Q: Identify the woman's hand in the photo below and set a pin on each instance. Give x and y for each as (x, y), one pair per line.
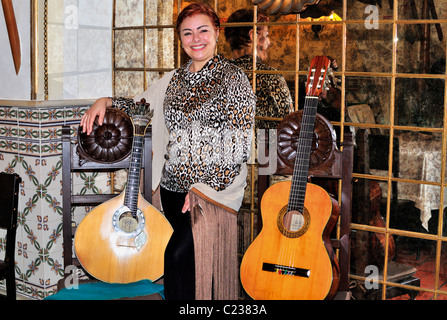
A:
(186, 205)
(97, 109)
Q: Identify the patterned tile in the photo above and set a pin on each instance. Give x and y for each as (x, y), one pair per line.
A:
(30, 145)
(9, 114)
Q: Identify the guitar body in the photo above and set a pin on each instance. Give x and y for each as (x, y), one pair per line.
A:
(111, 255)
(267, 269)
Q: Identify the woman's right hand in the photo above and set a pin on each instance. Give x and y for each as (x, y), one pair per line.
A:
(97, 109)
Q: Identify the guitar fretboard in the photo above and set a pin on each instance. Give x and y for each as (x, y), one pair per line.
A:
(302, 160)
(133, 177)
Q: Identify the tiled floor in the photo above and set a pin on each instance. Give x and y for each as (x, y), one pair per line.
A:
(425, 263)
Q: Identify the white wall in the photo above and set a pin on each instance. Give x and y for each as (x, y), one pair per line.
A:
(79, 51)
(13, 86)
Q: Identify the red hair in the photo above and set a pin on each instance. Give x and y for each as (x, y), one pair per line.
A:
(198, 8)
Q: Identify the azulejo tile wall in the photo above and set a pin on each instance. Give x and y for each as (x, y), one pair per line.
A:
(31, 146)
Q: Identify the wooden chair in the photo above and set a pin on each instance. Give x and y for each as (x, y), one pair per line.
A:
(9, 197)
(369, 154)
(75, 159)
(404, 214)
(328, 167)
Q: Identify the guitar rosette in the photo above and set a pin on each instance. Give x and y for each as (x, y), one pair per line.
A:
(129, 227)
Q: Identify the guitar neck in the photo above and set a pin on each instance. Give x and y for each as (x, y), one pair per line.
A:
(302, 160)
(133, 177)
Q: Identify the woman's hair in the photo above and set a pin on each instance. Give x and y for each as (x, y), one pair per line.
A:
(197, 8)
(239, 37)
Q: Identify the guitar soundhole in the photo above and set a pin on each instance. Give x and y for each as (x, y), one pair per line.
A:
(293, 221)
(293, 224)
(128, 223)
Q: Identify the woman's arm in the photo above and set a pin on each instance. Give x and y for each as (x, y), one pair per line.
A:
(97, 109)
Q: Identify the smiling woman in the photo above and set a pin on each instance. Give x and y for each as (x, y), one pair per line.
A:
(199, 107)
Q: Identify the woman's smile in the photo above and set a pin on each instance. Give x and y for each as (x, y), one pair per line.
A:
(198, 47)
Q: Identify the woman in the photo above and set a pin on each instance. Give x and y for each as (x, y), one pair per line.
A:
(274, 99)
(208, 109)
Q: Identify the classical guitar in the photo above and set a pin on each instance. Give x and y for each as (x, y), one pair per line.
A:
(123, 240)
(291, 258)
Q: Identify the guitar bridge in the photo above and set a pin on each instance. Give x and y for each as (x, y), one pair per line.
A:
(136, 242)
(125, 242)
(286, 270)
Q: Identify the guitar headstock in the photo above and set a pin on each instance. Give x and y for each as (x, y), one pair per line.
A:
(141, 116)
(319, 67)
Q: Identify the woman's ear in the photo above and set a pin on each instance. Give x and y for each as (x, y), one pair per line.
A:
(250, 34)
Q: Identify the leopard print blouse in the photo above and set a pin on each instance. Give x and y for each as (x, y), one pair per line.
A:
(210, 116)
(274, 99)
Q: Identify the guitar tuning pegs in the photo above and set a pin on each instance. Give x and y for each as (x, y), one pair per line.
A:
(143, 102)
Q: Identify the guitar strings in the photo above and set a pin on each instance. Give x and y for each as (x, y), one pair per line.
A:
(300, 175)
(133, 179)
(301, 167)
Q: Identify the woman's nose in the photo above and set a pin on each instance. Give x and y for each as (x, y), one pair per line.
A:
(267, 42)
(196, 36)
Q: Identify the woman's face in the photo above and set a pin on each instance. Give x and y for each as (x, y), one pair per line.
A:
(198, 36)
(263, 42)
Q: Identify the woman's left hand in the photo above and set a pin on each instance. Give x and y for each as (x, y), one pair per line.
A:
(186, 205)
